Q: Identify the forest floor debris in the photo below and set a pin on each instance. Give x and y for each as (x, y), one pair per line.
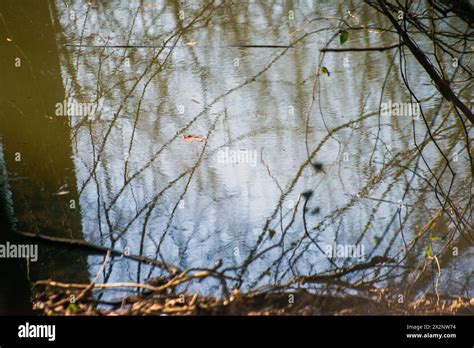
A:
(299, 302)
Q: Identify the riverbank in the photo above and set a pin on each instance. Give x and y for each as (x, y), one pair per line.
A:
(55, 299)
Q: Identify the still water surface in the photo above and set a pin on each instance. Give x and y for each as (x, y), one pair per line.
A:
(121, 172)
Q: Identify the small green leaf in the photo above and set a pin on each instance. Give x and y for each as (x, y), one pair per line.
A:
(433, 238)
(376, 240)
(267, 273)
(271, 233)
(343, 36)
(325, 70)
(73, 307)
(428, 252)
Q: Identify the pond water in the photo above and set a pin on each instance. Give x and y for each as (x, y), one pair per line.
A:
(188, 132)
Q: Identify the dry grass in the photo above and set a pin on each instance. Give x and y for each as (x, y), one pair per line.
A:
(270, 303)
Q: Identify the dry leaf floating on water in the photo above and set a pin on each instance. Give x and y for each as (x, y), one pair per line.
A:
(193, 137)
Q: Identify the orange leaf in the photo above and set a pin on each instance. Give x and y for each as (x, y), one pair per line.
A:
(193, 137)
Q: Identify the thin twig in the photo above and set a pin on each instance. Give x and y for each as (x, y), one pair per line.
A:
(361, 49)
